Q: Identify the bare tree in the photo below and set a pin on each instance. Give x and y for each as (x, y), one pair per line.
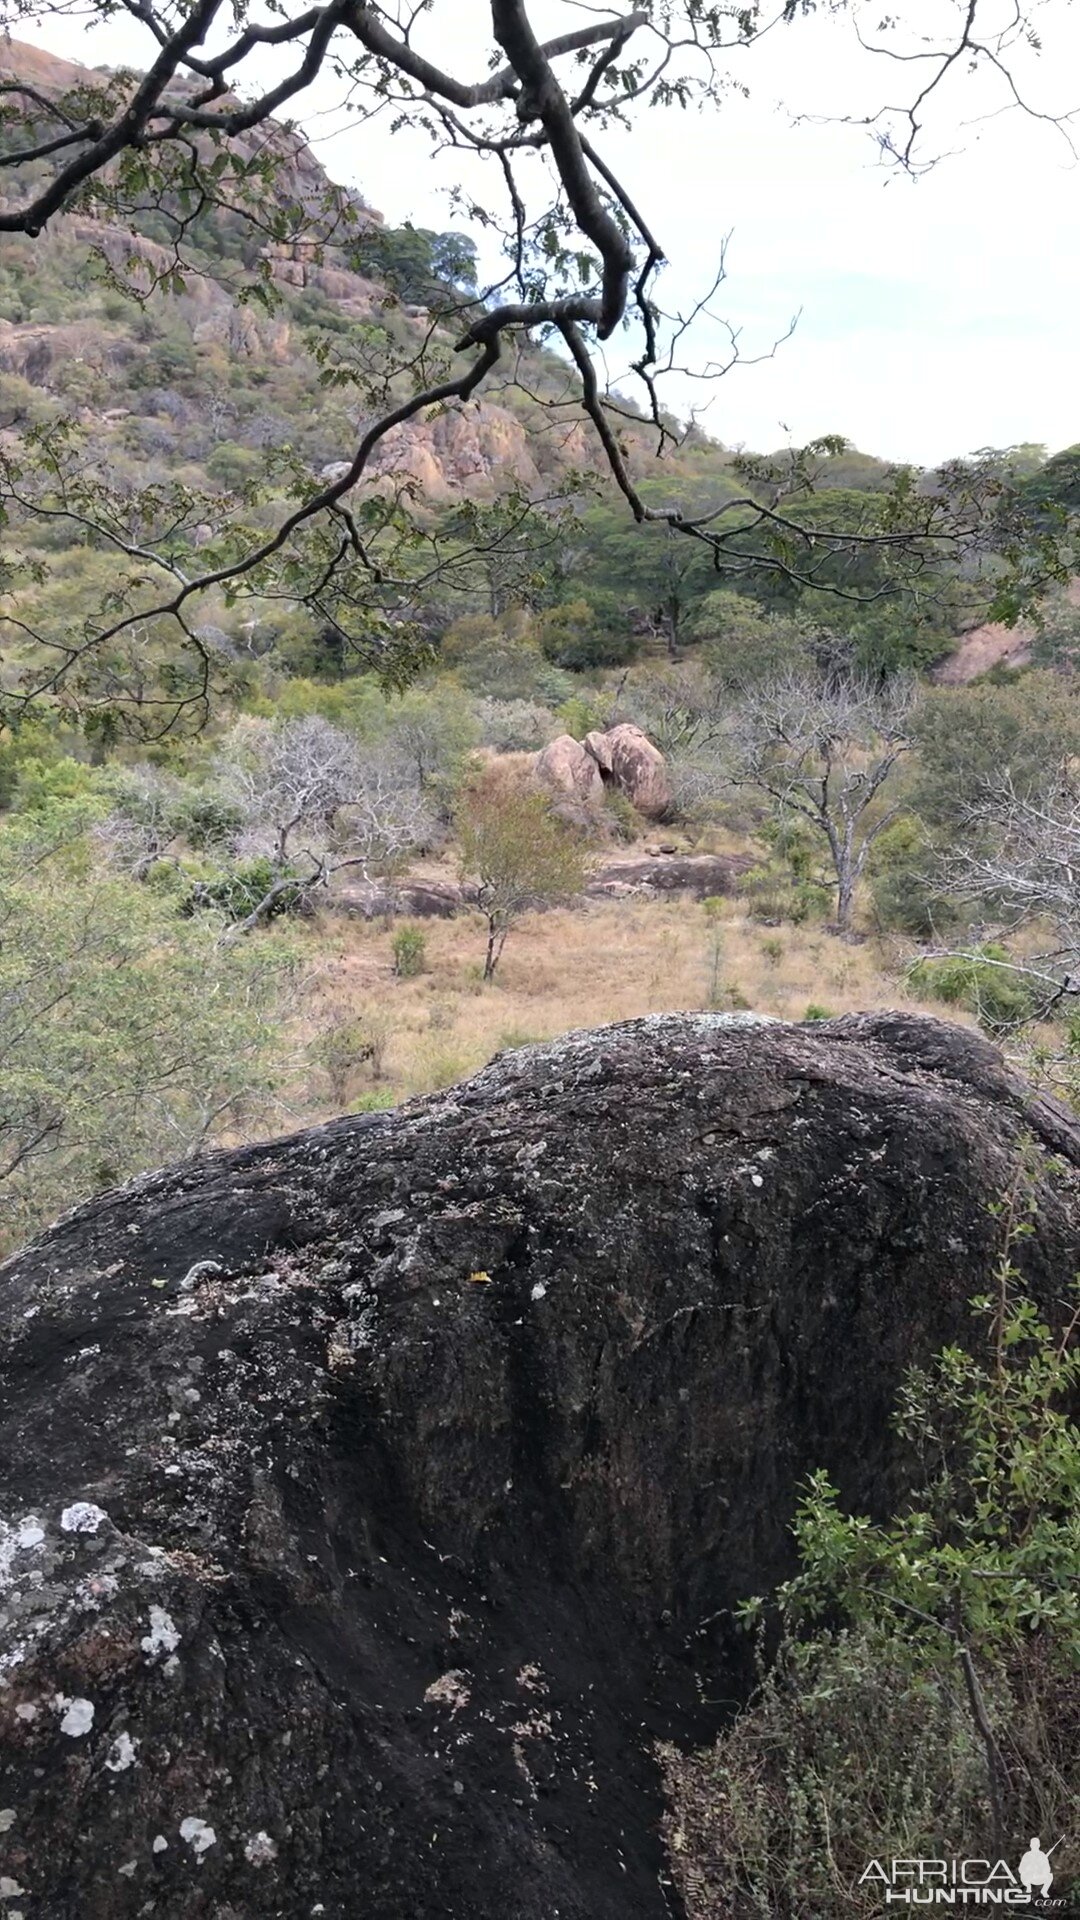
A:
(1016, 857)
(145, 824)
(194, 134)
(824, 750)
(290, 778)
(319, 803)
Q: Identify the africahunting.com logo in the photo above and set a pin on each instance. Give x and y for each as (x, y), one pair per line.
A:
(972, 1883)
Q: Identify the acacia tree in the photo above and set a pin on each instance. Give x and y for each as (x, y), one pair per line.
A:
(824, 749)
(193, 138)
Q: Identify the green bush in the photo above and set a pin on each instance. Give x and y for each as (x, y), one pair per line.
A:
(238, 891)
(982, 982)
(772, 893)
(352, 1044)
(814, 1012)
(207, 820)
(925, 1694)
(376, 1100)
(575, 637)
(903, 897)
(409, 946)
(621, 813)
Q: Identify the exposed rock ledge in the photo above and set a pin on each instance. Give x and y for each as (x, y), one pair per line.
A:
(371, 1496)
(647, 877)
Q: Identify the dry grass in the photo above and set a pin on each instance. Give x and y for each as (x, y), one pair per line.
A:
(570, 968)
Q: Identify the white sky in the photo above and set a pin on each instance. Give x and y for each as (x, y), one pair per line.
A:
(938, 315)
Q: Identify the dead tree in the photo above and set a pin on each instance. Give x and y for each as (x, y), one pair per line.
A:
(824, 751)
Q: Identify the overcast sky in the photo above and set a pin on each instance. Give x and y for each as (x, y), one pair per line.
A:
(937, 315)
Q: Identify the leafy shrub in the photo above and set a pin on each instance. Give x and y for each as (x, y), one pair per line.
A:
(352, 1044)
(771, 893)
(239, 890)
(858, 1742)
(208, 820)
(409, 946)
(902, 894)
(815, 1012)
(579, 716)
(514, 726)
(982, 982)
(574, 637)
(621, 813)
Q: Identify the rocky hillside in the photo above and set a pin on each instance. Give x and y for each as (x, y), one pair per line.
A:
(372, 1499)
(64, 336)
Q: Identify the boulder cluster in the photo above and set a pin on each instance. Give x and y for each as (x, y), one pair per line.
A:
(623, 757)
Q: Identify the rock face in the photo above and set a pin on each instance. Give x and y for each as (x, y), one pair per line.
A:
(417, 899)
(371, 1497)
(638, 768)
(700, 874)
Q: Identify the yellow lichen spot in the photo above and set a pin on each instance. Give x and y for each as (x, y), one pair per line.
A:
(480, 1279)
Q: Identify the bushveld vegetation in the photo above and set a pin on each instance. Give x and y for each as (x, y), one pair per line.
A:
(310, 542)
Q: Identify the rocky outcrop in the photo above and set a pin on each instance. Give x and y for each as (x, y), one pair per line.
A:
(372, 1498)
(459, 450)
(703, 875)
(638, 769)
(416, 899)
(567, 770)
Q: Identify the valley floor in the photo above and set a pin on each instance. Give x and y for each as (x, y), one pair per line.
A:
(573, 967)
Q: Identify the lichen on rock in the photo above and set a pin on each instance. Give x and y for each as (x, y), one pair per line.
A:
(401, 1575)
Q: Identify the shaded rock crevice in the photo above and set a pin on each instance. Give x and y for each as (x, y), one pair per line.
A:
(429, 1449)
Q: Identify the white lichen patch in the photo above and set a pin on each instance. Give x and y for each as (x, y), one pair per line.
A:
(8, 1817)
(82, 1517)
(162, 1638)
(9, 1888)
(23, 1537)
(198, 1834)
(260, 1849)
(531, 1677)
(159, 1844)
(78, 1716)
(449, 1690)
(121, 1754)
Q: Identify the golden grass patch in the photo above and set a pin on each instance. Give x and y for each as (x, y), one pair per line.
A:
(573, 967)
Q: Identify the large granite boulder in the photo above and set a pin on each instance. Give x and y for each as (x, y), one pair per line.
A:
(569, 772)
(638, 769)
(372, 1498)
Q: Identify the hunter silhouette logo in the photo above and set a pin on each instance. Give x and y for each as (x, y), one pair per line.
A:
(970, 1882)
(1036, 1873)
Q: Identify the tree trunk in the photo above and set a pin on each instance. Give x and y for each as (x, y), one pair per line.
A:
(494, 948)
